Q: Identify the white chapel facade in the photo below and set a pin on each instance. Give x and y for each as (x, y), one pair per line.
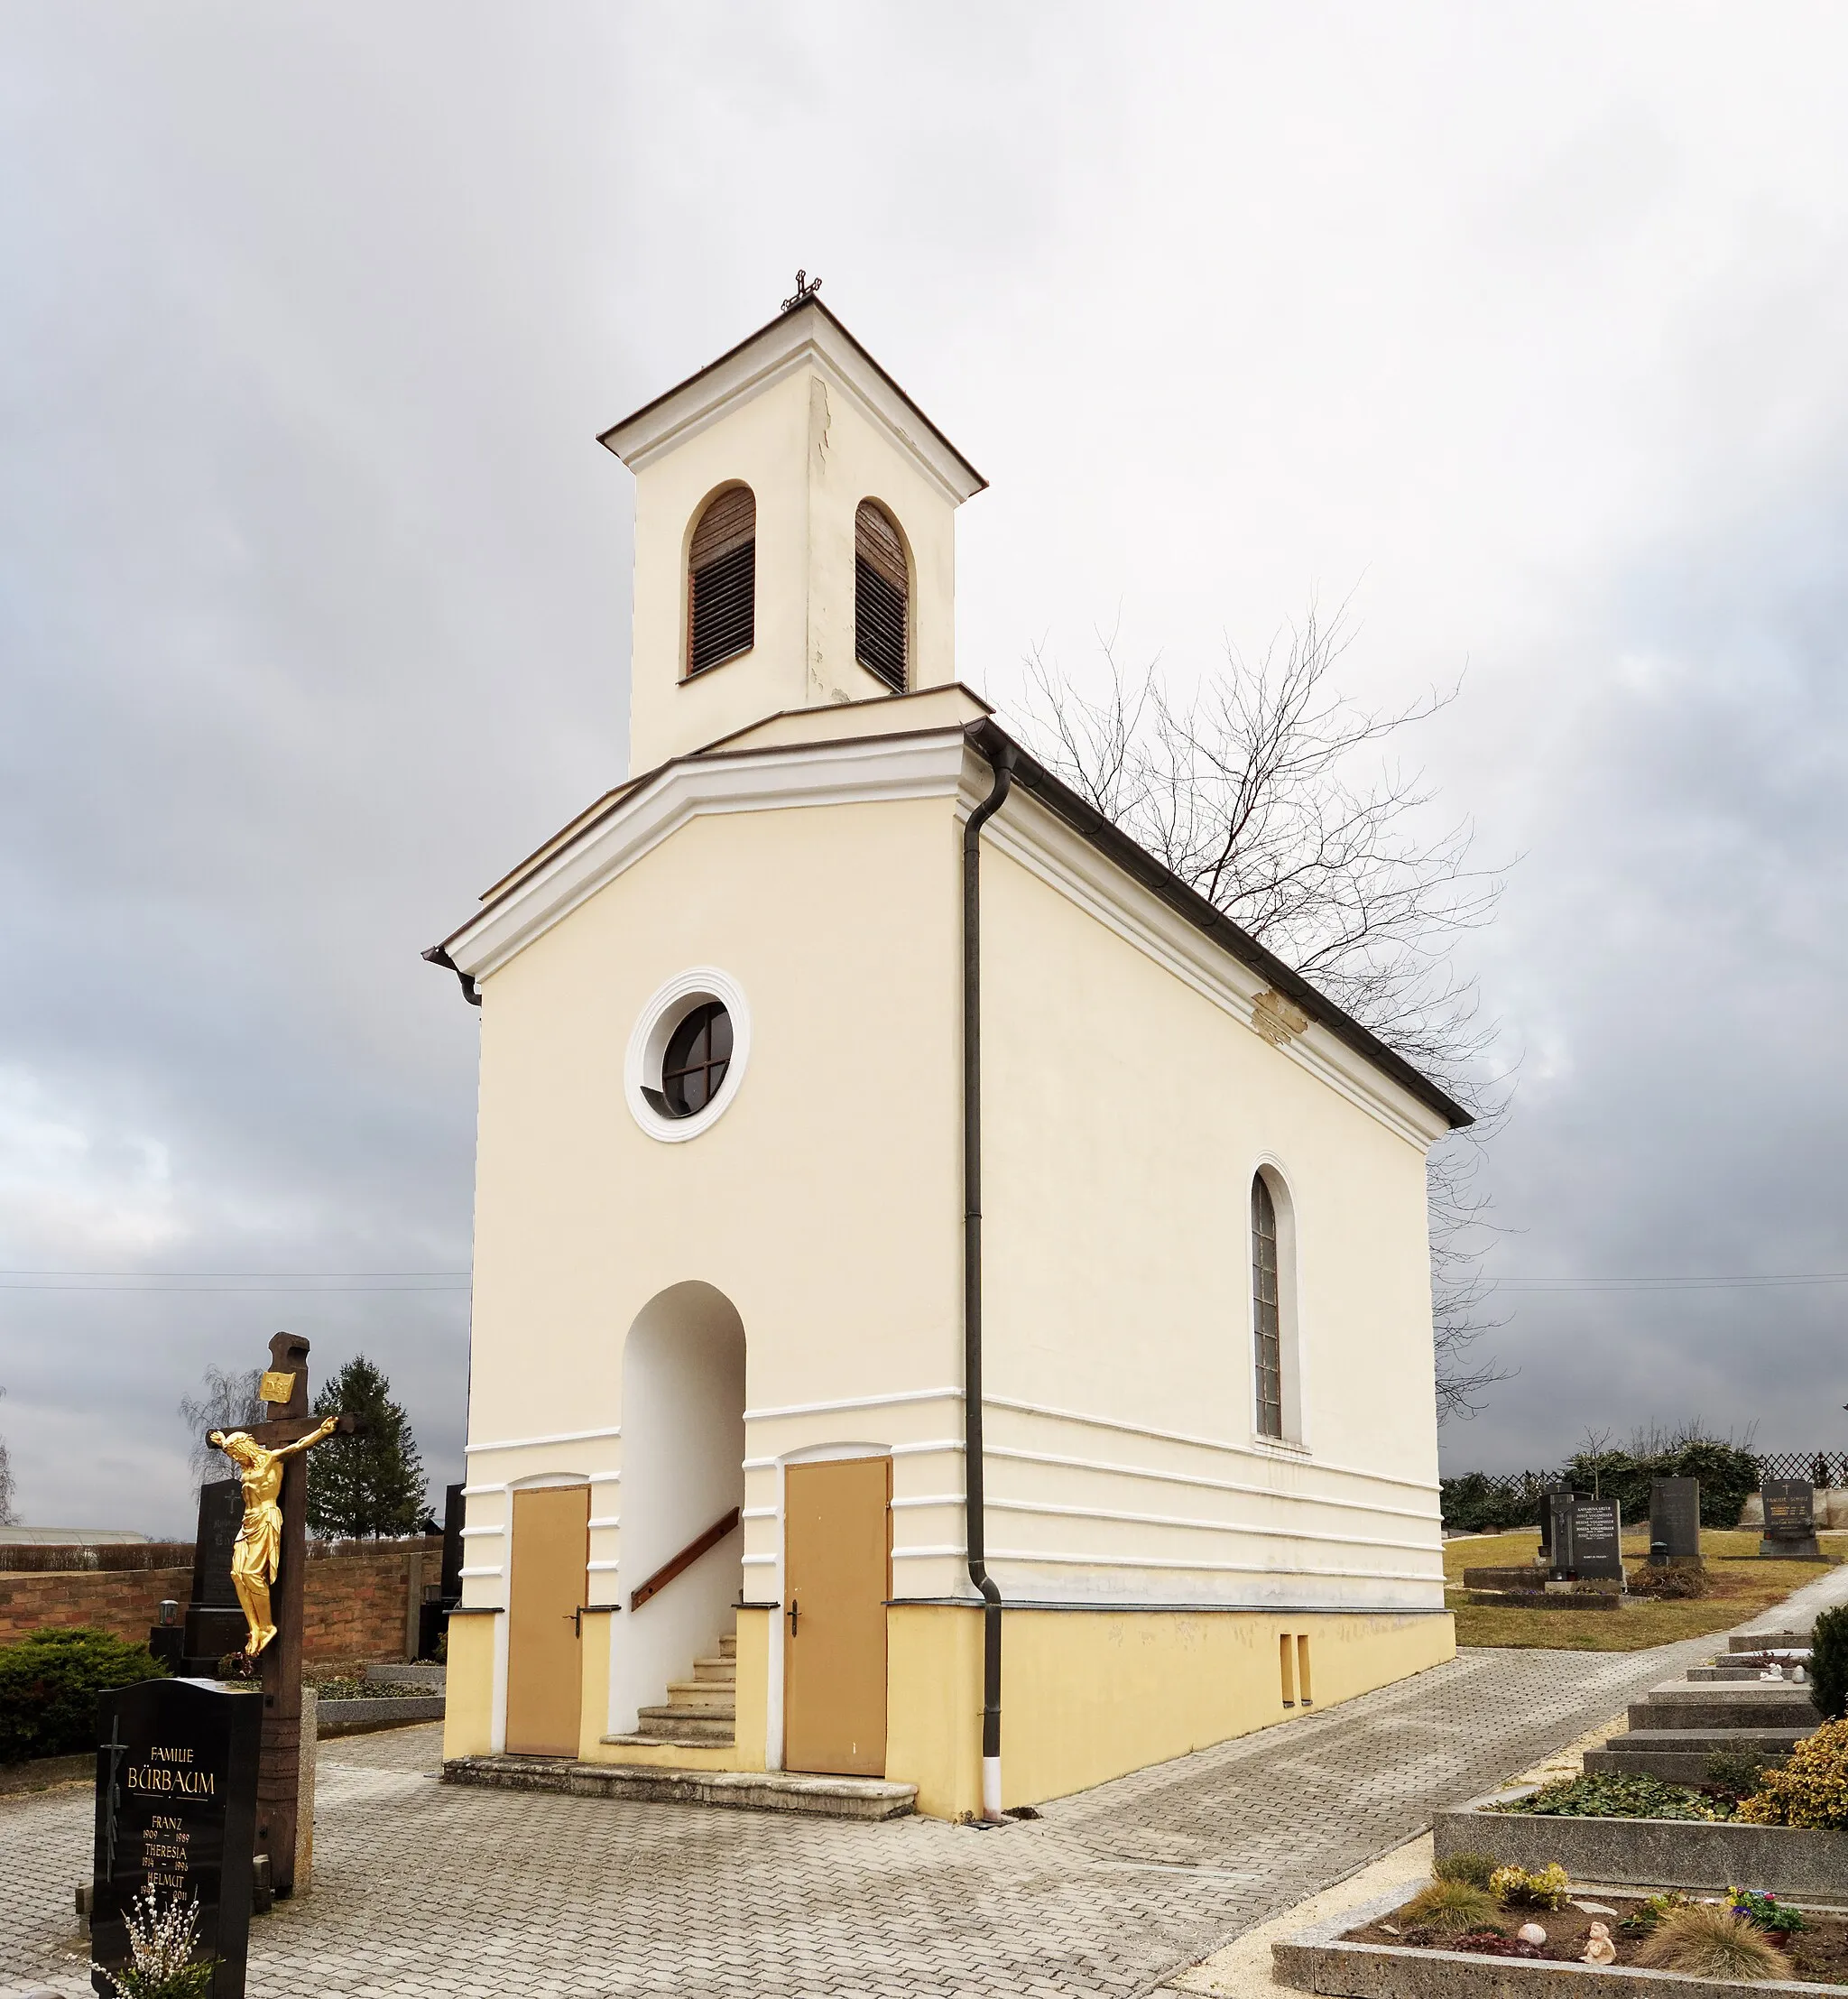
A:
(755, 1213)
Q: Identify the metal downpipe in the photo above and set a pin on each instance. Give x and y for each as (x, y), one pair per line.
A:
(972, 1466)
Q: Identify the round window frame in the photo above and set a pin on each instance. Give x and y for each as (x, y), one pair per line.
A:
(648, 1046)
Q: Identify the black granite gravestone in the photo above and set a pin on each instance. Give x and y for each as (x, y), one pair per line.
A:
(1789, 1530)
(1597, 1529)
(1674, 1523)
(214, 1622)
(1556, 1531)
(176, 1814)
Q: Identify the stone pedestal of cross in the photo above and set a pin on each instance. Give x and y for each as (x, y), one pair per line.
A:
(284, 1393)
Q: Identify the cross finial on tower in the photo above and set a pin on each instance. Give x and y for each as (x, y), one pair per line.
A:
(806, 288)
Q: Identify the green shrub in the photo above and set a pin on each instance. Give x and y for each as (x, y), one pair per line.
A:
(1810, 1788)
(1646, 1915)
(49, 1684)
(1476, 1868)
(1828, 1663)
(1712, 1943)
(1736, 1773)
(1449, 1908)
(1617, 1796)
(1531, 1888)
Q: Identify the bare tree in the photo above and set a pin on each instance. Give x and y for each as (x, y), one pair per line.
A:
(1281, 801)
(225, 1401)
(8, 1517)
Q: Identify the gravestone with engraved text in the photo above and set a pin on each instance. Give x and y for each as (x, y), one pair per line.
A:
(1789, 1530)
(176, 1813)
(1674, 1523)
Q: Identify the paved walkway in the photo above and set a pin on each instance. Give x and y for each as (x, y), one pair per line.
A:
(424, 1888)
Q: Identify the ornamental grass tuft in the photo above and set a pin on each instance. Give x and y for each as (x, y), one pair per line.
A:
(1450, 1909)
(1706, 1942)
(1476, 1868)
(1808, 1789)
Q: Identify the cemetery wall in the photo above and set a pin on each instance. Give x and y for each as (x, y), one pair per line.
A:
(358, 1597)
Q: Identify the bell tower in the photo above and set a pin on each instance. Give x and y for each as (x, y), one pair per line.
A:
(795, 537)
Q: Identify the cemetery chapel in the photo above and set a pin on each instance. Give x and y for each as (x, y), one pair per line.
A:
(949, 1307)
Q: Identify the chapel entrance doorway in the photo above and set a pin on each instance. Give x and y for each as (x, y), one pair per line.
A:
(547, 1571)
(682, 1502)
(837, 1577)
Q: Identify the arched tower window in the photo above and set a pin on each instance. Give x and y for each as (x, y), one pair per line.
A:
(1267, 1323)
(882, 595)
(722, 581)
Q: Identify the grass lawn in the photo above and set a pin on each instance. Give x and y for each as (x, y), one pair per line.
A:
(1739, 1590)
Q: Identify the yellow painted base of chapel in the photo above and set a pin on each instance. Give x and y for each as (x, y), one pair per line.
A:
(1087, 1695)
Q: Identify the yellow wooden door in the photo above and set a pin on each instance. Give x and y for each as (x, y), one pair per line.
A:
(546, 1590)
(837, 1574)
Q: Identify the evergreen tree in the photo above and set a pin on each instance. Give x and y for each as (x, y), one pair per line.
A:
(372, 1483)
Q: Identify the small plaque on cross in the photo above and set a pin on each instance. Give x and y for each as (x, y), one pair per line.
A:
(276, 1388)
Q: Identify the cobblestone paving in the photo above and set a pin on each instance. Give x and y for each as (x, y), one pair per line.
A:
(423, 1889)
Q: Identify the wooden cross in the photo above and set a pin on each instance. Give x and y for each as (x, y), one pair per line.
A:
(284, 1392)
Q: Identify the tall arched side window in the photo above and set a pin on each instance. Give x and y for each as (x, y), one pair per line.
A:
(882, 595)
(722, 581)
(1267, 1326)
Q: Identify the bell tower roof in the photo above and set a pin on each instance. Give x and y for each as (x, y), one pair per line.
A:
(804, 336)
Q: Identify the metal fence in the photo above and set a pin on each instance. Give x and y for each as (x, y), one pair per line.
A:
(1488, 1500)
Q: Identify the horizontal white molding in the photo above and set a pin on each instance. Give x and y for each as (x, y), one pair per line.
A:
(608, 1520)
(757, 1512)
(485, 1569)
(758, 1561)
(1212, 1568)
(561, 1437)
(1115, 1469)
(603, 1568)
(1169, 1520)
(607, 1477)
(1205, 1443)
(482, 1491)
(1158, 1562)
(855, 1401)
(469, 1533)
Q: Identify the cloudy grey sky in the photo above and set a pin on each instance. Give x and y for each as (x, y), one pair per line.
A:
(1528, 321)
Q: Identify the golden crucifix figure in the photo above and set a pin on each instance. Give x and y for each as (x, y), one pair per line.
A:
(257, 1554)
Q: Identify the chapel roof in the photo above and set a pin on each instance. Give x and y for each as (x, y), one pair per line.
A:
(804, 329)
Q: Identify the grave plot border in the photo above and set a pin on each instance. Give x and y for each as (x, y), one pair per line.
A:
(1316, 1960)
(1651, 1853)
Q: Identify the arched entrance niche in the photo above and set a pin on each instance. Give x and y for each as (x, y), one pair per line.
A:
(683, 1452)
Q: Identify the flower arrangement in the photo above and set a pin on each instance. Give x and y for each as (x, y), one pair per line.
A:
(1765, 1912)
(162, 1942)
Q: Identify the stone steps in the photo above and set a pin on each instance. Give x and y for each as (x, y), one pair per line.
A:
(1759, 1703)
(699, 1712)
(863, 1798)
(1682, 1759)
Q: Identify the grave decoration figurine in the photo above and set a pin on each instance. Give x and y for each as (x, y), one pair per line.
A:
(257, 1555)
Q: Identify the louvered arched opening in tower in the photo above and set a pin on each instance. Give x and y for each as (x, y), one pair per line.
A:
(722, 581)
(882, 595)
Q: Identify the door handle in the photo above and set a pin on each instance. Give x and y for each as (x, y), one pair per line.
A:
(794, 1614)
(577, 1617)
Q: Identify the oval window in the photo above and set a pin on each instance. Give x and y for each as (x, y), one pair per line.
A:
(698, 1053)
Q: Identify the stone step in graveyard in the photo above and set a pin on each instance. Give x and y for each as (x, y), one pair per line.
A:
(863, 1798)
(1756, 1704)
(1745, 1676)
(1768, 1641)
(1680, 1757)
